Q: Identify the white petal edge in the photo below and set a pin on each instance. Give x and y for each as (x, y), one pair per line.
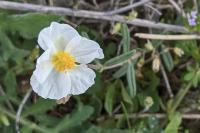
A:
(43, 66)
(56, 86)
(84, 50)
(44, 39)
(62, 34)
(42, 71)
(82, 78)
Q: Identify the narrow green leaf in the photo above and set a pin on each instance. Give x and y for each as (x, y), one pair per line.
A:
(121, 72)
(10, 83)
(126, 114)
(6, 46)
(4, 119)
(131, 79)
(175, 121)
(40, 106)
(120, 59)
(125, 38)
(167, 60)
(195, 81)
(75, 119)
(109, 100)
(126, 97)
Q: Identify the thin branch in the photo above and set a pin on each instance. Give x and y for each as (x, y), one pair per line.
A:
(25, 122)
(178, 9)
(135, 56)
(7, 101)
(19, 111)
(91, 15)
(167, 37)
(129, 7)
(158, 115)
(154, 9)
(171, 95)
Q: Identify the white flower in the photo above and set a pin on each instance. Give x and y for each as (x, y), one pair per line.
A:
(61, 70)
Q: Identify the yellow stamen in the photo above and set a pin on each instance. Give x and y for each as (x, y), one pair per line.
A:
(63, 61)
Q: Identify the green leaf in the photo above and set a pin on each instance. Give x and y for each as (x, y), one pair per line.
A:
(42, 105)
(190, 48)
(131, 79)
(126, 97)
(27, 25)
(4, 119)
(6, 47)
(189, 76)
(195, 81)
(125, 38)
(109, 100)
(9, 50)
(167, 60)
(75, 119)
(126, 115)
(121, 72)
(10, 82)
(175, 121)
(94, 129)
(120, 59)
(96, 103)
(19, 54)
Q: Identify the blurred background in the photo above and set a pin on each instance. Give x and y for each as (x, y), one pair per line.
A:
(147, 83)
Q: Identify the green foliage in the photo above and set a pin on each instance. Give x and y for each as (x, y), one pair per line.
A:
(75, 119)
(10, 82)
(125, 38)
(167, 60)
(26, 25)
(123, 90)
(175, 121)
(131, 79)
(109, 99)
(120, 59)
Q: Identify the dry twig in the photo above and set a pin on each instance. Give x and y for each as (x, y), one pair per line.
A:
(7, 101)
(90, 14)
(19, 111)
(176, 6)
(129, 7)
(167, 37)
(171, 95)
(158, 115)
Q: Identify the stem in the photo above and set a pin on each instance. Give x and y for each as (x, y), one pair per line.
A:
(181, 94)
(24, 122)
(19, 111)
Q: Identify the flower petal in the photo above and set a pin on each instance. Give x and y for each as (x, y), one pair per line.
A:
(61, 34)
(82, 78)
(42, 71)
(56, 86)
(46, 56)
(84, 50)
(43, 66)
(44, 39)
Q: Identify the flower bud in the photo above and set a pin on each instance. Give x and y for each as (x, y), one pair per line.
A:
(148, 102)
(116, 28)
(140, 63)
(149, 46)
(156, 64)
(179, 52)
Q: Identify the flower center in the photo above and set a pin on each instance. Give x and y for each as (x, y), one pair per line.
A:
(63, 61)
